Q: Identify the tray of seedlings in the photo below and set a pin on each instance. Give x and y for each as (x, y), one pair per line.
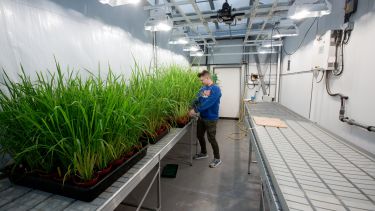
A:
(75, 136)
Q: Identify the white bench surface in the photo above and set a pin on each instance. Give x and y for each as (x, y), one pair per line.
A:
(310, 168)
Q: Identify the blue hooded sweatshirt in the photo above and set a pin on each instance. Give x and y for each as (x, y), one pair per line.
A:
(208, 101)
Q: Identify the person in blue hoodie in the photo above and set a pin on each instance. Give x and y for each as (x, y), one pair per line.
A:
(207, 105)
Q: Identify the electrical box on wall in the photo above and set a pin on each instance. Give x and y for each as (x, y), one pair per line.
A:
(325, 48)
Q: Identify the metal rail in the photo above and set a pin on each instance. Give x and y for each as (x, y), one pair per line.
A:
(266, 182)
(253, 13)
(269, 16)
(197, 10)
(186, 18)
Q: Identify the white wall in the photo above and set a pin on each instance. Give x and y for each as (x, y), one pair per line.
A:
(33, 32)
(357, 80)
(295, 92)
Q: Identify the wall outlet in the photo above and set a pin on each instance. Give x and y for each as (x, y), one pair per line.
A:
(267, 98)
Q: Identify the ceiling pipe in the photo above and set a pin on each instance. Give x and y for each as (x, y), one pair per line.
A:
(241, 53)
(253, 32)
(172, 2)
(229, 46)
(253, 13)
(212, 6)
(249, 43)
(269, 16)
(196, 9)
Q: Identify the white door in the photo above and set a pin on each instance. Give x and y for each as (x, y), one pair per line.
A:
(229, 83)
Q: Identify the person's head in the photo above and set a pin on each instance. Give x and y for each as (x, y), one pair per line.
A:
(205, 77)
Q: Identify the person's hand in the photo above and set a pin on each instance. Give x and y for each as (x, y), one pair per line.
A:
(192, 113)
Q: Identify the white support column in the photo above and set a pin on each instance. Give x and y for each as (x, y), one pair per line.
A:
(278, 70)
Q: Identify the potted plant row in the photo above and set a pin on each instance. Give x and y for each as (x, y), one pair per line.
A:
(75, 136)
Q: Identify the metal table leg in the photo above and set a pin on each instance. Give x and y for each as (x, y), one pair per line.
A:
(156, 177)
(159, 185)
(250, 151)
(192, 126)
(261, 205)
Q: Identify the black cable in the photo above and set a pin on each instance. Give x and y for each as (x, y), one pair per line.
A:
(341, 40)
(251, 87)
(321, 79)
(341, 70)
(329, 89)
(304, 37)
(345, 40)
(347, 33)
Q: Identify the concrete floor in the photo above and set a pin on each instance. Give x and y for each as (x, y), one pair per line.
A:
(199, 187)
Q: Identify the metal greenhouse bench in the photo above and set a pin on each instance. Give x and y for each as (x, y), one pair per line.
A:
(14, 197)
(304, 167)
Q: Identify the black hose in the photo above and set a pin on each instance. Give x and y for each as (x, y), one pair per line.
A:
(342, 116)
(321, 79)
(302, 41)
(329, 89)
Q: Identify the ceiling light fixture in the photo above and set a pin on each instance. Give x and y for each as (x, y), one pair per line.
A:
(158, 21)
(197, 54)
(309, 8)
(115, 3)
(178, 37)
(263, 50)
(191, 47)
(286, 28)
(271, 43)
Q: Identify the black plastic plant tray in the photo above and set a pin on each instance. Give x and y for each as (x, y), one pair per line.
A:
(179, 125)
(160, 136)
(71, 190)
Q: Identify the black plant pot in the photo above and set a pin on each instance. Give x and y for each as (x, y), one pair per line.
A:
(155, 139)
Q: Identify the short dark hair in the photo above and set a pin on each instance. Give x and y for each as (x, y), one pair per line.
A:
(204, 73)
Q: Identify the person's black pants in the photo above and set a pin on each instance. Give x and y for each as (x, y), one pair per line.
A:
(208, 126)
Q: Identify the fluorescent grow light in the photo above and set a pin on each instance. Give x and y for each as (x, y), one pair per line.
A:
(309, 8)
(158, 25)
(286, 28)
(263, 50)
(285, 33)
(158, 21)
(115, 3)
(191, 47)
(197, 54)
(178, 37)
(271, 43)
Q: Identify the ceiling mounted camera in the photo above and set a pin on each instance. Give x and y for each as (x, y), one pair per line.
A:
(225, 14)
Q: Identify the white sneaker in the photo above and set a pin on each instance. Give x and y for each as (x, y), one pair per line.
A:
(215, 163)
